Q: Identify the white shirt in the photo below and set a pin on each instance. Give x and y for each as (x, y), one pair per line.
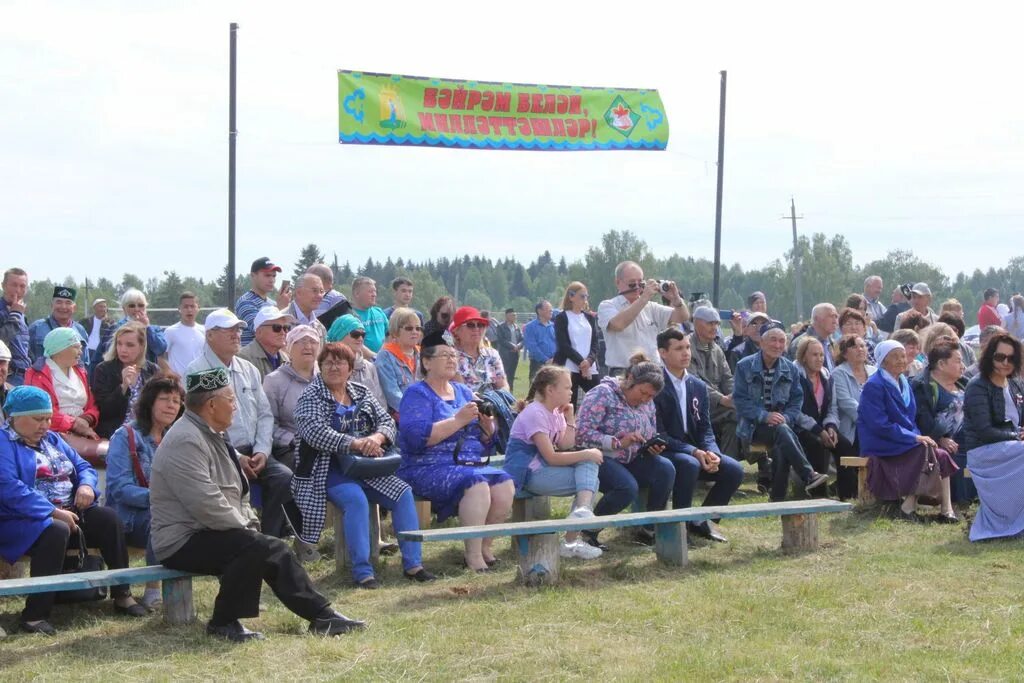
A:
(680, 384)
(94, 334)
(253, 420)
(641, 334)
(184, 344)
(579, 336)
(71, 395)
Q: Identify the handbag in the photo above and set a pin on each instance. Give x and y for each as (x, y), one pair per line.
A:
(82, 561)
(929, 483)
(140, 475)
(364, 467)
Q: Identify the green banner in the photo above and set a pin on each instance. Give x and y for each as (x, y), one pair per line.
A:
(386, 109)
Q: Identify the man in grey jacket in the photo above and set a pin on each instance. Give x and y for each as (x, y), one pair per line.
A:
(709, 364)
(202, 522)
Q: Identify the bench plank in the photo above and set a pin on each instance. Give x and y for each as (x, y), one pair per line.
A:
(699, 514)
(106, 577)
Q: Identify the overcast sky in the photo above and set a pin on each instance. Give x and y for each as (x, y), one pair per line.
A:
(897, 127)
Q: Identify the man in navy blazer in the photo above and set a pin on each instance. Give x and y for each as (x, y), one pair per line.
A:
(684, 421)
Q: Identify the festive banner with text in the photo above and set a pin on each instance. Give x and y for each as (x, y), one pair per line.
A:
(385, 109)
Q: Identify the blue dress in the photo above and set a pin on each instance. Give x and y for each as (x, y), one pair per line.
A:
(432, 471)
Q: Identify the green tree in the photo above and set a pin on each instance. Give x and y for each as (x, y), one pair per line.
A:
(615, 247)
(309, 255)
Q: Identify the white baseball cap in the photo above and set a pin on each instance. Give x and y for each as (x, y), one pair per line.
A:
(269, 314)
(5, 353)
(223, 319)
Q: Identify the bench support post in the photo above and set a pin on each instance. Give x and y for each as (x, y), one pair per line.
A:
(531, 509)
(341, 558)
(423, 512)
(864, 496)
(538, 559)
(670, 544)
(178, 607)
(799, 533)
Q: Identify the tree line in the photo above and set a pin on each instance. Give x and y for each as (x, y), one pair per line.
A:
(829, 274)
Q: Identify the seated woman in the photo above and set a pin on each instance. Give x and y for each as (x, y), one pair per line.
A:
(818, 424)
(848, 377)
(58, 374)
(284, 386)
(130, 461)
(337, 416)
(46, 489)
(576, 339)
(618, 416)
(117, 381)
(889, 437)
(134, 304)
(480, 366)
(397, 359)
(911, 341)
(349, 330)
(993, 406)
(545, 423)
(956, 324)
(939, 394)
(443, 437)
(852, 321)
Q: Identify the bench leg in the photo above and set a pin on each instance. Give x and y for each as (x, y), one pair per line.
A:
(531, 509)
(374, 533)
(178, 607)
(423, 512)
(538, 559)
(864, 496)
(799, 533)
(670, 544)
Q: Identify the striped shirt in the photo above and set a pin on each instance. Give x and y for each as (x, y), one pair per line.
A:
(246, 308)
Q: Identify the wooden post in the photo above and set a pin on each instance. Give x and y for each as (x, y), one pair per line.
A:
(374, 533)
(178, 607)
(17, 570)
(538, 559)
(864, 496)
(670, 544)
(799, 533)
(531, 509)
(423, 512)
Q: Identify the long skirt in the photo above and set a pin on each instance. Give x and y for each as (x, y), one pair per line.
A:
(996, 470)
(894, 477)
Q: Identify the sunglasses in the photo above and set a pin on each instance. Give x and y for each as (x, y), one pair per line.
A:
(1004, 358)
(357, 334)
(476, 326)
(280, 328)
(135, 305)
(412, 328)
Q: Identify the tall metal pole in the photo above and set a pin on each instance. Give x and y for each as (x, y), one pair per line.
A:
(718, 195)
(232, 135)
(796, 264)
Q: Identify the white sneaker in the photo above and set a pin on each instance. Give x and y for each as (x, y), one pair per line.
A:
(583, 551)
(582, 512)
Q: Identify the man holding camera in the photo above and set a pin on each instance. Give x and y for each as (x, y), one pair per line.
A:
(632, 320)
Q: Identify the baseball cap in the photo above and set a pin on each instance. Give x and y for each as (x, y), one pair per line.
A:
(5, 353)
(756, 318)
(264, 263)
(99, 301)
(707, 314)
(269, 314)
(922, 289)
(223, 319)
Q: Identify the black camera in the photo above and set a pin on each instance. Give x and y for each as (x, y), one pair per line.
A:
(906, 290)
(485, 407)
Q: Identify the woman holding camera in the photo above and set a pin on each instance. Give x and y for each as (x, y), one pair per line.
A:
(444, 437)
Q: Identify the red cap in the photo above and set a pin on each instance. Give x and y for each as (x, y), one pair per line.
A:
(465, 315)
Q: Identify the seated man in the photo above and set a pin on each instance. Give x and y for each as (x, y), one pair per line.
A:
(266, 351)
(202, 522)
(769, 401)
(710, 365)
(684, 420)
(306, 300)
(748, 342)
(62, 314)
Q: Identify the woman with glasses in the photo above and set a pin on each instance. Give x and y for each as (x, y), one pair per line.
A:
(576, 339)
(480, 366)
(349, 330)
(284, 386)
(134, 304)
(397, 360)
(440, 315)
(444, 439)
(118, 380)
(993, 404)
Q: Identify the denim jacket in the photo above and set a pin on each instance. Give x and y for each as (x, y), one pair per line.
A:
(124, 493)
(395, 376)
(748, 392)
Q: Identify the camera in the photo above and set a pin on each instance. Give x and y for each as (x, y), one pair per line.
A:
(905, 290)
(485, 407)
(665, 285)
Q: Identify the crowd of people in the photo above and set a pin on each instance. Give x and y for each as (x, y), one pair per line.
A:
(312, 397)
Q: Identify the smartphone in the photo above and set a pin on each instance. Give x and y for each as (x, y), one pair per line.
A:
(725, 314)
(285, 286)
(656, 440)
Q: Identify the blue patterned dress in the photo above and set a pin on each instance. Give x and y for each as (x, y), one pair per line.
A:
(432, 471)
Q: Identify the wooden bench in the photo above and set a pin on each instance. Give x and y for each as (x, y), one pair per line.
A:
(177, 586)
(864, 496)
(537, 543)
(423, 511)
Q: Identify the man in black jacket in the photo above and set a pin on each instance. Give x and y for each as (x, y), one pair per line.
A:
(99, 328)
(509, 342)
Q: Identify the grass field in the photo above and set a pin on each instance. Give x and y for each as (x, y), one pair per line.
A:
(879, 601)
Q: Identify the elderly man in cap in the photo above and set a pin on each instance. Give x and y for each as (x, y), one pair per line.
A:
(263, 280)
(251, 429)
(266, 351)
(202, 522)
(62, 314)
(920, 301)
(13, 328)
(309, 293)
(748, 341)
(5, 367)
(99, 329)
(710, 365)
(769, 401)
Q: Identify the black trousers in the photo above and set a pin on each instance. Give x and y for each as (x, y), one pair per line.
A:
(580, 382)
(846, 478)
(103, 530)
(819, 456)
(244, 559)
(275, 481)
(510, 361)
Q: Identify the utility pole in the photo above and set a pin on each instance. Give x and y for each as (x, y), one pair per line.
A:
(232, 135)
(718, 193)
(797, 264)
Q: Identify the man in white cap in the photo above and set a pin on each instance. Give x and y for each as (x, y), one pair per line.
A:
(266, 351)
(5, 366)
(920, 301)
(252, 425)
(710, 365)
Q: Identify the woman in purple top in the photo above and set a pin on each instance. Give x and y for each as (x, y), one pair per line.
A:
(618, 416)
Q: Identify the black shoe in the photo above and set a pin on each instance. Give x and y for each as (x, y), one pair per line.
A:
(911, 517)
(764, 487)
(422, 576)
(946, 519)
(591, 539)
(134, 610)
(233, 631)
(644, 537)
(708, 531)
(331, 623)
(370, 584)
(387, 549)
(43, 627)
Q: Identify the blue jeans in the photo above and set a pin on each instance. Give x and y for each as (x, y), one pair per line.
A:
(621, 483)
(562, 481)
(353, 498)
(688, 470)
(786, 453)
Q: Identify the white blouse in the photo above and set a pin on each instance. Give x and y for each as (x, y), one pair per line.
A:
(70, 391)
(580, 333)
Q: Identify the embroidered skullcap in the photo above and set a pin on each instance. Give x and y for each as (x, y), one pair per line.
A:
(61, 292)
(27, 400)
(207, 380)
(343, 326)
(58, 339)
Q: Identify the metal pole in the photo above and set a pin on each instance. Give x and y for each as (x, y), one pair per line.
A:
(718, 194)
(232, 135)
(796, 264)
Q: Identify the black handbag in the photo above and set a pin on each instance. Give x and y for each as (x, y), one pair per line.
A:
(364, 467)
(82, 561)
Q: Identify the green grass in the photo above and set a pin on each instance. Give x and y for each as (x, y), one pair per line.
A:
(878, 601)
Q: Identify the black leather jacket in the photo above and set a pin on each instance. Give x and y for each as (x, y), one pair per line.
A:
(985, 412)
